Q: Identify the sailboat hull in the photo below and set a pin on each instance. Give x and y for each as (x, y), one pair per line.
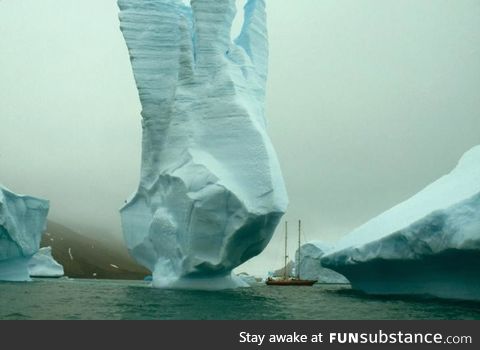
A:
(290, 282)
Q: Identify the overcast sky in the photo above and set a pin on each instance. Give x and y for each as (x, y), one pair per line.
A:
(368, 102)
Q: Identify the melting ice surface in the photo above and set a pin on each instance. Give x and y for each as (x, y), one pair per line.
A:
(42, 264)
(211, 191)
(429, 244)
(22, 222)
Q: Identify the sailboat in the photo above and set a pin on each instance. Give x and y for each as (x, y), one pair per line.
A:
(286, 280)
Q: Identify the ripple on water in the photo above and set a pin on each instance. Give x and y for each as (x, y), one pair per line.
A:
(87, 299)
(17, 316)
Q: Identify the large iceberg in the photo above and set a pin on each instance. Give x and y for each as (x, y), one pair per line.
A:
(42, 264)
(22, 222)
(211, 191)
(309, 266)
(429, 244)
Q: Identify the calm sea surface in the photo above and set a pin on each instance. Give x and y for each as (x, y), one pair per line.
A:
(108, 299)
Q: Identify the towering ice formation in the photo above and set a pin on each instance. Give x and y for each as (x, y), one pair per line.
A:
(211, 192)
(42, 264)
(429, 244)
(310, 266)
(22, 222)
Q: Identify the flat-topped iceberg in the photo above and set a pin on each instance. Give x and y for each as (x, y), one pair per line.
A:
(429, 244)
(309, 266)
(211, 191)
(22, 222)
(42, 264)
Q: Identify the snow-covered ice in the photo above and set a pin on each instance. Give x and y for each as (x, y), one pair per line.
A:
(310, 266)
(211, 191)
(42, 264)
(22, 222)
(429, 244)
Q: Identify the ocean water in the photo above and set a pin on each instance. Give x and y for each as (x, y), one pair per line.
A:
(109, 299)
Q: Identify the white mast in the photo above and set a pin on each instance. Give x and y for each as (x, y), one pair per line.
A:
(286, 256)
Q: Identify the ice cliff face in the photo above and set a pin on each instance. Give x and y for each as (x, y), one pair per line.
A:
(429, 244)
(42, 264)
(211, 192)
(310, 266)
(22, 222)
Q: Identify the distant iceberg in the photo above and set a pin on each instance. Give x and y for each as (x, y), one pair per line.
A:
(310, 266)
(290, 268)
(42, 264)
(429, 244)
(22, 222)
(211, 191)
(248, 279)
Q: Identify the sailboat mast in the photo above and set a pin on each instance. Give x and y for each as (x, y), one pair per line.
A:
(298, 261)
(286, 257)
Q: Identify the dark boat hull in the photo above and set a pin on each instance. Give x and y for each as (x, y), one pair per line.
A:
(292, 282)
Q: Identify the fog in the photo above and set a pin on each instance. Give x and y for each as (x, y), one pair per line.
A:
(368, 102)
